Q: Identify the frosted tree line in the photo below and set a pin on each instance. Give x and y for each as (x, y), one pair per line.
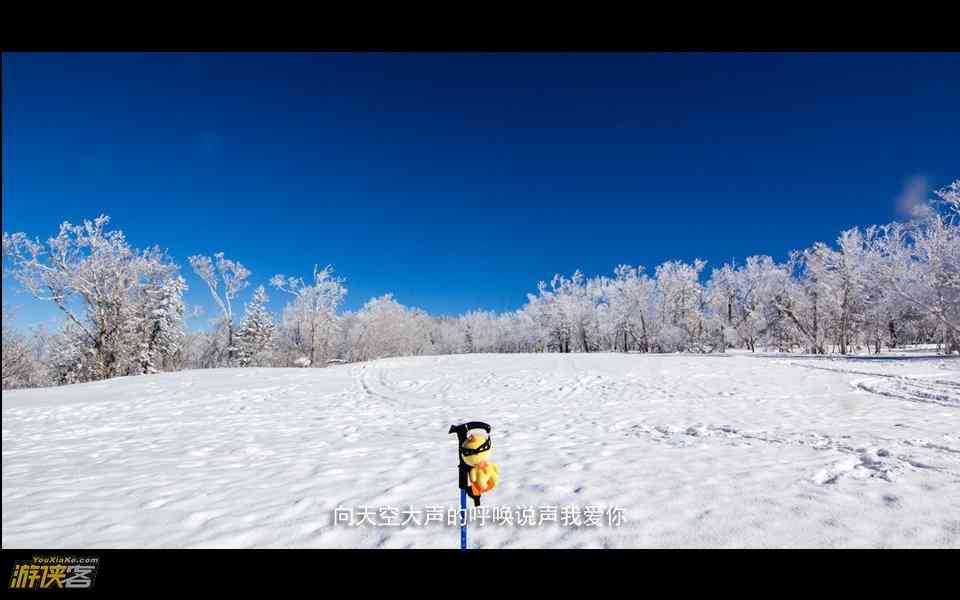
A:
(122, 307)
(873, 289)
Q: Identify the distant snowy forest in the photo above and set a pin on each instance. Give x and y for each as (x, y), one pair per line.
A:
(882, 287)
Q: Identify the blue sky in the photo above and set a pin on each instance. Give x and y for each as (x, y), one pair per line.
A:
(458, 181)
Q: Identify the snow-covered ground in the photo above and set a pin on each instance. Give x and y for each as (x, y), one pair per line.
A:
(718, 451)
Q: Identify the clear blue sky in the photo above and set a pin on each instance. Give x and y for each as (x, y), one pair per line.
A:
(458, 181)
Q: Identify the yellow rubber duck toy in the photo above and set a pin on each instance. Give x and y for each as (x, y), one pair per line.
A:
(483, 473)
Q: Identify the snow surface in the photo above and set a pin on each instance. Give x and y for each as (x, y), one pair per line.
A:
(716, 451)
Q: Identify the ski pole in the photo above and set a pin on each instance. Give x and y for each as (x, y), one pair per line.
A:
(463, 470)
(463, 519)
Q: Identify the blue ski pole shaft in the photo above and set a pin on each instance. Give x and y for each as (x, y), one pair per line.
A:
(463, 519)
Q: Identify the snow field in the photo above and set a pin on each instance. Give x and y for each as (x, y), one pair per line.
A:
(698, 451)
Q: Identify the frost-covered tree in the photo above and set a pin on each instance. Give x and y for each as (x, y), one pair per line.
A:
(518, 332)
(740, 300)
(482, 331)
(234, 277)
(16, 356)
(256, 334)
(447, 335)
(568, 312)
(842, 281)
(680, 300)
(384, 327)
(629, 296)
(920, 261)
(722, 294)
(99, 283)
(17, 362)
(159, 326)
(578, 300)
(886, 316)
(205, 349)
(310, 325)
(72, 359)
(760, 283)
(801, 300)
(546, 327)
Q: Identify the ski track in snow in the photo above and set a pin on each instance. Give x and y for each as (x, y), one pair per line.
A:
(758, 451)
(944, 391)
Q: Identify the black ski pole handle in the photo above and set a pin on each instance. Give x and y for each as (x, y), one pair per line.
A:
(461, 430)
